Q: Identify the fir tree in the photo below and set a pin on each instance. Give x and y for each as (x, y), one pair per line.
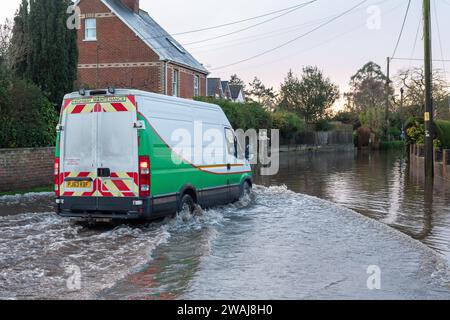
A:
(46, 50)
(20, 45)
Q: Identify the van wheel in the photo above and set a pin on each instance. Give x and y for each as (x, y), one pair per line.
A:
(246, 190)
(187, 204)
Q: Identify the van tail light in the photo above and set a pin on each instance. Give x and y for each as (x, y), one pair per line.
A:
(56, 177)
(144, 177)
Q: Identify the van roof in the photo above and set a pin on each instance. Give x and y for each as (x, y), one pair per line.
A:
(133, 92)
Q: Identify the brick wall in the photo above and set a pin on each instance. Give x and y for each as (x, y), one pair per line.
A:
(26, 168)
(111, 59)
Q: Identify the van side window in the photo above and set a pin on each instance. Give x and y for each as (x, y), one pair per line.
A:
(231, 142)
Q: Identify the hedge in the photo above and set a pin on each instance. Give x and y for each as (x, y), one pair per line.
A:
(388, 145)
(27, 118)
(443, 132)
(243, 116)
(288, 123)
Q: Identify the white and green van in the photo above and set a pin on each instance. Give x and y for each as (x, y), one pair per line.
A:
(126, 154)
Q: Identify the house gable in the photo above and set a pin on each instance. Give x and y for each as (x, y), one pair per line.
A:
(215, 88)
(120, 57)
(151, 33)
(226, 89)
(237, 93)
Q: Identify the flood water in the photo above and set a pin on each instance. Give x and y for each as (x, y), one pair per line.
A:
(379, 185)
(283, 243)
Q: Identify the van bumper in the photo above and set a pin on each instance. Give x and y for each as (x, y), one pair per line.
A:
(103, 208)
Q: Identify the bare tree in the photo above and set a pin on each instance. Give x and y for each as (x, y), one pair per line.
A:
(413, 83)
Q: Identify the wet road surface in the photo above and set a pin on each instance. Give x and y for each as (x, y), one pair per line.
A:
(277, 245)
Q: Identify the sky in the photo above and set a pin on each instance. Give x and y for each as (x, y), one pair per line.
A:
(339, 48)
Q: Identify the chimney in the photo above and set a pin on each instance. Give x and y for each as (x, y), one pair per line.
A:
(132, 4)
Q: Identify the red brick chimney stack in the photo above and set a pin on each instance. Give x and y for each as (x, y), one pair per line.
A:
(132, 4)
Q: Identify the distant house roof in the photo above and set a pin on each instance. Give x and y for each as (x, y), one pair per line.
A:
(235, 91)
(154, 36)
(214, 84)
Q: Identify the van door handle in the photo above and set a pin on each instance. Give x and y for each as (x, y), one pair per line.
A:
(103, 173)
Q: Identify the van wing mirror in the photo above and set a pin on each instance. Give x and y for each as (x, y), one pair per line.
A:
(247, 152)
(140, 125)
(59, 128)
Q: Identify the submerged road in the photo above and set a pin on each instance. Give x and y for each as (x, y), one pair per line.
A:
(278, 245)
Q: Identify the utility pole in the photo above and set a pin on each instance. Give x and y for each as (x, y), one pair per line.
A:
(387, 89)
(402, 114)
(428, 116)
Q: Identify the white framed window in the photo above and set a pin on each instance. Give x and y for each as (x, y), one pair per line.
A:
(175, 83)
(90, 29)
(196, 86)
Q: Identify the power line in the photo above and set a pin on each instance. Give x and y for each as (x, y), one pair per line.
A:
(263, 36)
(237, 22)
(254, 25)
(417, 59)
(293, 40)
(257, 37)
(415, 41)
(403, 27)
(327, 41)
(234, 32)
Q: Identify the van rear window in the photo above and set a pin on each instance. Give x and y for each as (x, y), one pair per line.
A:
(79, 133)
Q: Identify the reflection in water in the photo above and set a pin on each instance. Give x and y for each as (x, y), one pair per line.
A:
(32, 202)
(377, 184)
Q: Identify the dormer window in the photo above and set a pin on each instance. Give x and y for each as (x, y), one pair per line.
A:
(90, 29)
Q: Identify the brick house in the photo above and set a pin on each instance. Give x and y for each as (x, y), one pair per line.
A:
(120, 45)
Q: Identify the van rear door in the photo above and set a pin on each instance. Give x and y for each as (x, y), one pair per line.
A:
(99, 150)
(117, 152)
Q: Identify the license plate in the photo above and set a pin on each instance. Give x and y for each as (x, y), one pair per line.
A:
(79, 184)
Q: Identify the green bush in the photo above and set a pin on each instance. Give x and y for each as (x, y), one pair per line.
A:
(324, 125)
(443, 132)
(388, 145)
(415, 131)
(344, 117)
(27, 118)
(243, 115)
(394, 132)
(288, 123)
(413, 121)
